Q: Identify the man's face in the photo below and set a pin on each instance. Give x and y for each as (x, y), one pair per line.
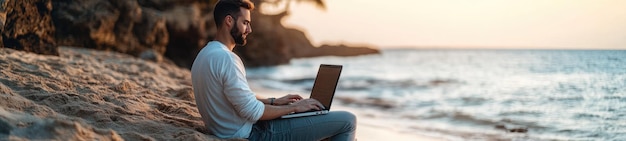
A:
(242, 27)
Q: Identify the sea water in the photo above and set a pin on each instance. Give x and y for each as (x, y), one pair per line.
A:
(477, 94)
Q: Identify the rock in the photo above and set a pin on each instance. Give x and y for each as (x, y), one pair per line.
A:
(267, 42)
(117, 25)
(271, 43)
(190, 27)
(151, 55)
(174, 29)
(518, 130)
(3, 17)
(27, 25)
(501, 127)
(339, 50)
(5, 128)
(512, 130)
(149, 29)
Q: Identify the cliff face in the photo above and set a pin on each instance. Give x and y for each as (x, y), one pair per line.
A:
(267, 44)
(271, 43)
(27, 25)
(150, 29)
(117, 25)
(175, 29)
(3, 18)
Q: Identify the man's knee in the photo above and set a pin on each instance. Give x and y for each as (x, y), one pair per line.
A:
(348, 117)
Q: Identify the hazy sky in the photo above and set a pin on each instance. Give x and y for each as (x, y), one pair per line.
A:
(465, 23)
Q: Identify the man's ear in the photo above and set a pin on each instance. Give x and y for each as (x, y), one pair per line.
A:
(229, 20)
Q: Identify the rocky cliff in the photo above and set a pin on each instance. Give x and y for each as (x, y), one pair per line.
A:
(27, 25)
(150, 29)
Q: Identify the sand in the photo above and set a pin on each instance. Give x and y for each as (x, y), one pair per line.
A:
(85, 94)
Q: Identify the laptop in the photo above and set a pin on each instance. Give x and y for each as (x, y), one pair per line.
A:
(323, 89)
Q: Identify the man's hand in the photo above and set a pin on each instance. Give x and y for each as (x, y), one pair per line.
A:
(307, 104)
(288, 99)
(273, 111)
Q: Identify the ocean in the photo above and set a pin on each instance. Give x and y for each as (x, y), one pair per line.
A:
(476, 94)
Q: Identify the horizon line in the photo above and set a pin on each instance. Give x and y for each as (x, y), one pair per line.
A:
(492, 48)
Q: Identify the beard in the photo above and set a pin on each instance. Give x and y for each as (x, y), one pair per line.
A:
(237, 36)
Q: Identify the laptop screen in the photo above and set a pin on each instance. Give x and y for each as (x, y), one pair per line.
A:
(326, 83)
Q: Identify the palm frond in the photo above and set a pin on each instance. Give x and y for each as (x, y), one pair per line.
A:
(319, 3)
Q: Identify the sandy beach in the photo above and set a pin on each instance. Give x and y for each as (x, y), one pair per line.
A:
(85, 94)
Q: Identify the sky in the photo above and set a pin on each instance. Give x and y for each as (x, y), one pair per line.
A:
(527, 24)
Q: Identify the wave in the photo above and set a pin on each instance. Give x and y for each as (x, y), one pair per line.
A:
(460, 134)
(490, 128)
(455, 116)
(360, 83)
(299, 80)
(357, 83)
(370, 102)
(553, 95)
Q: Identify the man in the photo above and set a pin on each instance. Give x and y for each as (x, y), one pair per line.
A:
(230, 109)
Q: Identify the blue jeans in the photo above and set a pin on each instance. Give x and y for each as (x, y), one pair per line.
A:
(336, 125)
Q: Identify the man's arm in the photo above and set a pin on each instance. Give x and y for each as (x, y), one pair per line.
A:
(262, 99)
(287, 99)
(248, 105)
(273, 112)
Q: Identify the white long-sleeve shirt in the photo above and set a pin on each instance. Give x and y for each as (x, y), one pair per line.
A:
(227, 105)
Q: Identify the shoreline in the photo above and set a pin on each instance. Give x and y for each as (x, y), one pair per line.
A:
(367, 130)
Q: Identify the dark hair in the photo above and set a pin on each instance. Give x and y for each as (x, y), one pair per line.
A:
(224, 8)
